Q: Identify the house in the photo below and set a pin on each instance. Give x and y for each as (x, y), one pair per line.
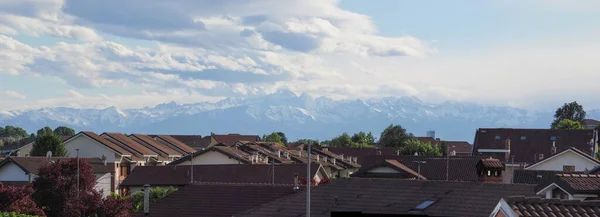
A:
(217, 199)
(528, 146)
(175, 144)
(433, 168)
(393, 197)
(535, 206)
(23, 170)
(164, 151)
(568, 160)
(23, 147)
(220, 154)
(571, 187)
(274, 151)
(349, 163)
(196, 142)
(178, 176)
(536, 176)
(590, 123)
(139, 152)
(388, 169)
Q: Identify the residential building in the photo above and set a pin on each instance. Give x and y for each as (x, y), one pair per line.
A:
(220, 154)
(453, 148)
(165, 152)
(571, 187)
(175, 144)
(433, 168)
(360, 153)
(394, 197)
(178, 176)
(23, 170)
(140, 153)
(590, 123)
(349, 163)
(535, 206)
(388, 169)
(536, 176)
(523, 147)
(217, 199)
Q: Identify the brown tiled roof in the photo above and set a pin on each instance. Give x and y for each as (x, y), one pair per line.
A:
(458, 146)
(299, 156)
(535, 206)
(157, 146)
(230, 139)
(181, 147)
(129, 143)
(534, 142)
(395, 196)
(575, 183)
(360, 153)
(592, 122)
(32, 164)
(536, 176)
(403, 171)
(250, 148)
(106, 142)
(226, 150)
(344, 161)
(459, 168)
(216, 200)
(491, 163)
(195, 141)
(227, 173)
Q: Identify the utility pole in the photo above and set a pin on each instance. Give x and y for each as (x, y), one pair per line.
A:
(192, 167)
(447, 165)
(419, 167)
(308, 181)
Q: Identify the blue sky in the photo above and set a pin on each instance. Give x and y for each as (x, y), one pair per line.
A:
(533, 54)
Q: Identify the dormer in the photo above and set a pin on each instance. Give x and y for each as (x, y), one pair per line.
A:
(490, 170)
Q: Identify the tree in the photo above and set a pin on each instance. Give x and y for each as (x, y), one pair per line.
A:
(273, 137)
(362, 139)
(283, 138)
(45, 130)
(567, 124)
(18, 200)
(48, 142)
(343, 140)
(155, 195)
(64, 131)
(444, 149)
(115, 206)
(14, 132)
(56, 189)
(572, 111)
(413, 146)
(394, 136)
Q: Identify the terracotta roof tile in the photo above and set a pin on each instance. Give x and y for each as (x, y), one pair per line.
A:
(575, 183)
(181, 147)
(216, 200)
(342, 159)
(129, 143)
(394, 196)
(491, 163)
(535, 176)
(162, 149)
(535, 206)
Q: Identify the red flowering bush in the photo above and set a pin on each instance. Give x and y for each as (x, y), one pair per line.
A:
(18, 200)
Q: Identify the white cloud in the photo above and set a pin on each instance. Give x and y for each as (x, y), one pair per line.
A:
(12, 94)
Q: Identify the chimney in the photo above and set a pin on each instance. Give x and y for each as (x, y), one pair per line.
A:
(325, 159)
(341, 156)
(287, 154)
(553, 149)
(333, 161)
(507, 147)
(299, 153)
(278, 153)
(146, 199)
(541, 156)
(296, 187)
(355, 160)
(318, 158)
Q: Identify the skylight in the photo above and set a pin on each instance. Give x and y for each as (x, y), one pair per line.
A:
(553, 138)
(523, 137)
(425, 204)
(497, 137)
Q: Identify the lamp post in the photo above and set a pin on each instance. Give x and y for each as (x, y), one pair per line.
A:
(77, 172)
(419, 167)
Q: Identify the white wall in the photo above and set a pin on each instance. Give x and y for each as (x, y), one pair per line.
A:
(25, 150)
(12, 172)
(566, 158)
(211, 157)
(103, 184)
(89, 148)
(383, 170)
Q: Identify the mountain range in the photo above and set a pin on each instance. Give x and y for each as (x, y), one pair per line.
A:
(299, 116)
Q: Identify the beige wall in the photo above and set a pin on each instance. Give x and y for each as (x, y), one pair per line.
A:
(89, 148)
(566, 158)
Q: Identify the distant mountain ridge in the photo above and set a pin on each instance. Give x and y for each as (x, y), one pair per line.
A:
(299, 116)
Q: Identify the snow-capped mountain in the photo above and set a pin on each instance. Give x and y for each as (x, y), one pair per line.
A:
(299, 116)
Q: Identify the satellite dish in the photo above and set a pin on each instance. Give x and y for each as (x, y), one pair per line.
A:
(49, 154)
(416, 153)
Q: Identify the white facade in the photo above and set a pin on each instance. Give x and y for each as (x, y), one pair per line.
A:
(12, 172)
(89, 147)
(211, 157)
(103, 184)
(565, 158)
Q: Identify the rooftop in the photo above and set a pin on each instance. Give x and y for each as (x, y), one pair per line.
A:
(435, 168)
(535, 206)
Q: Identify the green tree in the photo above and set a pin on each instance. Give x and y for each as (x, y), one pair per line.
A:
(284, 139)
(394, 136)
(312, 142)
(567, 124)
(45, 130)
(48, 142)
(64, 131)
(363, 139)
(343, 140)
(572, 111)
(444, 149)
(14, 132)
(155, 195)
(273, 137)
(413, 146)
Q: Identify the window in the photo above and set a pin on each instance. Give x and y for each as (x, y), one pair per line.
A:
(489, 173)
(523, 137)
(568, 168)
(497, 137)
(425, 204)
(553, 138)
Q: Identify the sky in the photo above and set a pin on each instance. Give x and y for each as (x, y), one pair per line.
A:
(532, 54)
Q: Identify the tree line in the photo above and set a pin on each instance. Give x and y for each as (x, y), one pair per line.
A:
(46, 139)
(570, 116)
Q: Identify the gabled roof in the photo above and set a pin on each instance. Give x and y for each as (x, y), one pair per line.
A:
(395, 196)
(272, 154)
(216, 200)
(458, 146)
(340, 158)
(403, 171)
(590, 122)
(230, 139)
(574, 183)
(32, 164)
(490, 163)
(162, 149)
(227, 173)
(130, 144)
(180, 146)
(527, 143)
(536, 176)
(226, 150)
(195, 141)
(102, 141)
(535, 206)
(572, 150)
(458, 168)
